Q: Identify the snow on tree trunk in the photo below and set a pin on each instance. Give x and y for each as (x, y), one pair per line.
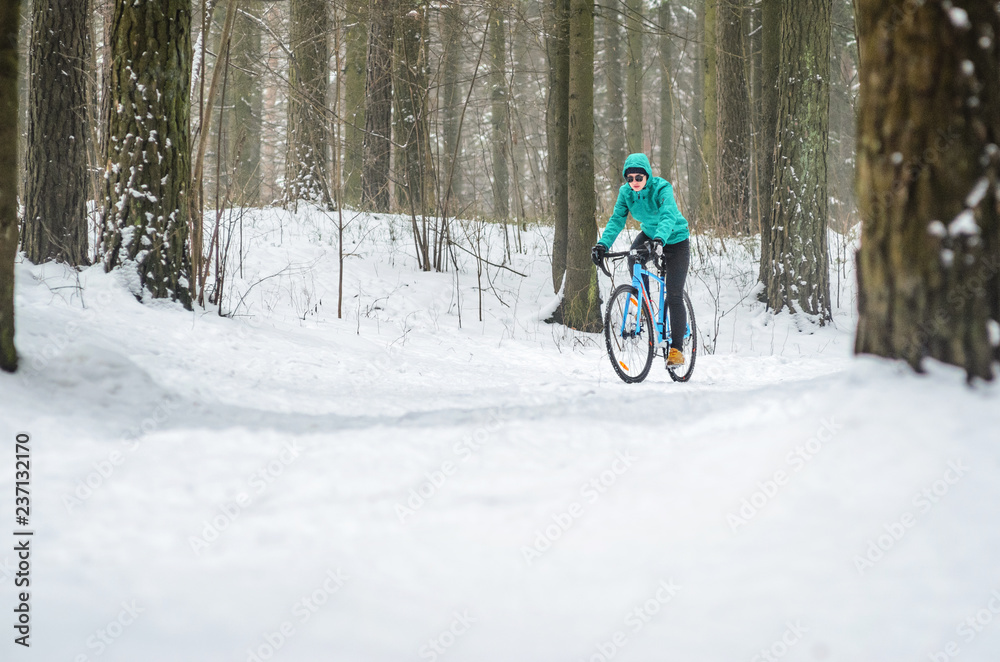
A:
(149, 145)
(928, 162)
(306, 167)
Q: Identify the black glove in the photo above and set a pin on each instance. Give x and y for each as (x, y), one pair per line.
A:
(597, 254)
(644, 251)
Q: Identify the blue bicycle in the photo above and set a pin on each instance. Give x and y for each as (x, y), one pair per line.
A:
(631, 337)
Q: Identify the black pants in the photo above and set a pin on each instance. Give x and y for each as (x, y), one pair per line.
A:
(676, 258)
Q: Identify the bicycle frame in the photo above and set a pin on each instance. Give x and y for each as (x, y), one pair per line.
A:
(659, 319)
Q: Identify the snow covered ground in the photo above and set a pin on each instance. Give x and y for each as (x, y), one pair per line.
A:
(402, 484)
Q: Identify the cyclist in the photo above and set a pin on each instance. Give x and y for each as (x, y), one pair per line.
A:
(664, 232)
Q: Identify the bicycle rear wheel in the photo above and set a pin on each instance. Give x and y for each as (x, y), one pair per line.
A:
(689, 349)
(631, 352)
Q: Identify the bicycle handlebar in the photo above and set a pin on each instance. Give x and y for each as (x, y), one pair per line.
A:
(641, 255)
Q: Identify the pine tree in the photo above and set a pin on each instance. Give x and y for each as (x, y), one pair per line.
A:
(767, 131)
(797, 276)
(732, 180)
(666, 93)
(614, 106)
(633, 77)
(378, 106)
(56, 187)
(355, 58)
(928, 170)
(10, 15)
(247, 104)
(306, 166)
(499, 109)
(411, 103)
(146, 207)
(451, 101)
(557, 131)
(710, 125)
(581, 306)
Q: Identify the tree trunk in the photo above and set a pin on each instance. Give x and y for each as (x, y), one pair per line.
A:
(378, 106)
(557, 132)
(56, 187)
(666, 94)
(146, 206)
(10, 15)
(499, 110)
(411, 102)
(613, 103)
(633, 84)
(929, 123)
(732, 180)
(710, 128)
(581, 306)
(798, 276)
(247, 102)
(696, 161)
(306, 166)
(767, 131)
(451, 65)
(355, 58)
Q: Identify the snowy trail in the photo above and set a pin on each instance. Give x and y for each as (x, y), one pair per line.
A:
(295, 491)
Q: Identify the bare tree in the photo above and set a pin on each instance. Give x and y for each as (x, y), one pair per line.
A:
(633, 76)
(499, 109)
(732, 180)
(557, 130)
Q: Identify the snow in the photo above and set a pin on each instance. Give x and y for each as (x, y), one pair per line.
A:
(959, 18)
(210, 488)
(964, 224)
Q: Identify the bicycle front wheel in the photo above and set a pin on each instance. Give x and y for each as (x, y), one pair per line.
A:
(630, 346)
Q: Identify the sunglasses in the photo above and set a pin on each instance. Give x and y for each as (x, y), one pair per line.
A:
(635, 178)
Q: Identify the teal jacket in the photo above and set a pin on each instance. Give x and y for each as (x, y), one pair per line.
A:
(653, 207)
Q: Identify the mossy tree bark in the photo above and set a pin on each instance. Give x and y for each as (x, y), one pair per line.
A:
(57, 181)
(557, 131)
(10, 18)
(307, 163)
(798, 275)
(929, 125)
(732, 180)
(378, 106)
(147, 107)
(581, 305)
